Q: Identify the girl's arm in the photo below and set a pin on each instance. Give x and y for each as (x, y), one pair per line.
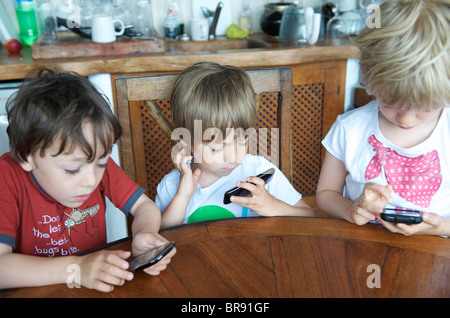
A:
(329, 194)
(330, 198)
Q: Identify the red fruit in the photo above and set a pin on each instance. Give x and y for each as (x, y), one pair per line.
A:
(13, 45)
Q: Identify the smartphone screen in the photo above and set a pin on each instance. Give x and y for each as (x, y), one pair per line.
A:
(150, 257)
(240, 192)
(402, 215)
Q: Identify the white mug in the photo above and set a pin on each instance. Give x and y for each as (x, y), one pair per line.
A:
(103, 30)
(199, 29)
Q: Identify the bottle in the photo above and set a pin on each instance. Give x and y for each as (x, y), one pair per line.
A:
(143, 18)
(45, 21)
(26, 17)
(245, 19)
(171, 24)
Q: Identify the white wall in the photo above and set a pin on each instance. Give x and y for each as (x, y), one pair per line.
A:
(116, 223)
(351, 80)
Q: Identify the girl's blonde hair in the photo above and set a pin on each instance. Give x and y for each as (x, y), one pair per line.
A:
(221, 96)
(407, 60)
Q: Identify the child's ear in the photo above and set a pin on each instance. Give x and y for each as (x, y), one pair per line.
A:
(28, 164)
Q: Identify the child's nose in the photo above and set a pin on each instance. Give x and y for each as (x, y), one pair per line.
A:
(230, 155)
(235, 153)
(89, 178)
(406, 118)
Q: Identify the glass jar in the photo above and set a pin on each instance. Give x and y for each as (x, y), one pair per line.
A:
(143, 19)
(46, 20)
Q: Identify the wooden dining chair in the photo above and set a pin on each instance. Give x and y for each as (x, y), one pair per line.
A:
(143, 109)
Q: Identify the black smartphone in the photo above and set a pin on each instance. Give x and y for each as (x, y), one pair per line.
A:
(402, 215)
(240, 192)
(150, 257)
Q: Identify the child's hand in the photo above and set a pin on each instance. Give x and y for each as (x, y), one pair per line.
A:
(188, 179)
(260, 201)
(142, 242)
(431, 225)
(371, 203)
(103, 270)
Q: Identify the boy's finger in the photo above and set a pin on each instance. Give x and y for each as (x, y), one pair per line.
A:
(246, 185)
(197, 174)
(103, 287)
(115, 275)
(118, 259)
(184, 162)
(256, 180)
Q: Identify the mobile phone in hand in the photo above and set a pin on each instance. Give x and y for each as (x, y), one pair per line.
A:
(402, 215)
(150, 257)
(240, 192)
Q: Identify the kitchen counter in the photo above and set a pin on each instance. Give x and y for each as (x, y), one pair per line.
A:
(17, 66)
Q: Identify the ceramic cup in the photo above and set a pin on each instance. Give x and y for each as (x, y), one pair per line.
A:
(199, 29)
(103, 30)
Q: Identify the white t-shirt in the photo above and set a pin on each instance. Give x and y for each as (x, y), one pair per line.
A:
(207, 203)
(420, 175)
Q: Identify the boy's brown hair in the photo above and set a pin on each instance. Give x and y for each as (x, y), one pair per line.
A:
(52, 105)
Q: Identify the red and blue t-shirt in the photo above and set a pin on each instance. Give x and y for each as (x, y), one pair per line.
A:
(33, 223)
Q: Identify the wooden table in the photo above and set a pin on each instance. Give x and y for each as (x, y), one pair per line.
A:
(286, 257)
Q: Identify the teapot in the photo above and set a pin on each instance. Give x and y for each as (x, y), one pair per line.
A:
(300, 25)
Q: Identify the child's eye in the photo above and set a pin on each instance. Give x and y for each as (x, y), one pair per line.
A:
(216, 149)
(72, 172)
(103, 165)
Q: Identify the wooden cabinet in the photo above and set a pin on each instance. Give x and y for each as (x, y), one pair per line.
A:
(317, 98)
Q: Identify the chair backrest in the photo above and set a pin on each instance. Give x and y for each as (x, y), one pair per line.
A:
(142, 106)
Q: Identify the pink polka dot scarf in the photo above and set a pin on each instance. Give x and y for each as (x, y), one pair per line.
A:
(415, 179)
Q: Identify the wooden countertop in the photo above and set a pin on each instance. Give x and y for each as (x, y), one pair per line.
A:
(17, 66)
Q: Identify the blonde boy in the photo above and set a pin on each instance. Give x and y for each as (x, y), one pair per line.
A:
(220, 102)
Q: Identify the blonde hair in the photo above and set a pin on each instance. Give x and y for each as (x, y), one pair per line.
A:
(407, 59)
(220, 96)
